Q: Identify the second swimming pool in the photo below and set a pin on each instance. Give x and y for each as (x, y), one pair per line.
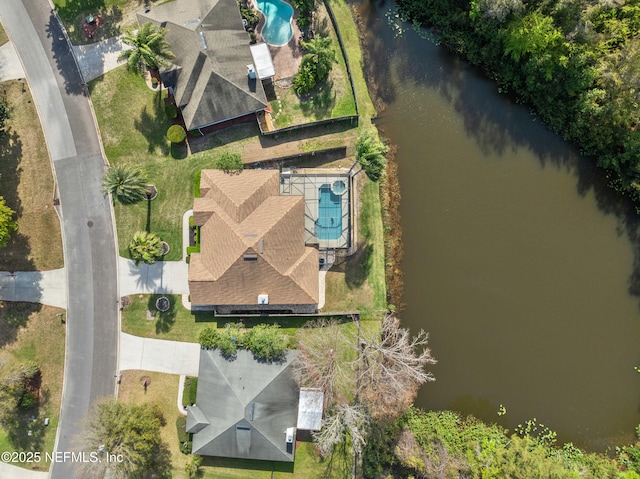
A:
(277, 30)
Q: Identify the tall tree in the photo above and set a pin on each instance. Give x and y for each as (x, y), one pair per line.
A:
(391, 369)
(13, 380)
(149, 48)
(127, 431)
(7, 224)
(370, 153)
(126, 185)
(321, 55)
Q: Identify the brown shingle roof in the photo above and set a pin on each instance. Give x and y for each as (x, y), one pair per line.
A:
(244, 214)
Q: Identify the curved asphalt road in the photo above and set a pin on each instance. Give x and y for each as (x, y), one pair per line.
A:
(87, 227)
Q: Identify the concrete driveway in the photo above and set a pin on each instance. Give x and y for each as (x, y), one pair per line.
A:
(46, 287)
(10, 66)
(166, 277)
(97, 59)
(172, 357)
(9, 471)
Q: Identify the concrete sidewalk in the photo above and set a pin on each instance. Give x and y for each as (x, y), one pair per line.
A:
(46, 287)
(9, 471)
(163, 277)
(97, 59)
(172, 357)
(10, 66)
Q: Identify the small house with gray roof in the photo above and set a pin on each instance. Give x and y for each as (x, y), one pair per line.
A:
(209, 76)
(244, 408)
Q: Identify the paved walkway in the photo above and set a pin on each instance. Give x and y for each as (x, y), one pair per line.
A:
(98, 58)
(172, 357)
(167, 277)
(46, 287)
(10, 66)
(9, 471)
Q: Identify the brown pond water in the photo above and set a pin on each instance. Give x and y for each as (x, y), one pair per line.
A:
(519, 262)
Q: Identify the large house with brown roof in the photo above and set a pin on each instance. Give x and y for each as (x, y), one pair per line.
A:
(208, 77)
(253, 255)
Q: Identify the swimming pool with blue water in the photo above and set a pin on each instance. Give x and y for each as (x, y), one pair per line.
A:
(329, 222)
(277, 30)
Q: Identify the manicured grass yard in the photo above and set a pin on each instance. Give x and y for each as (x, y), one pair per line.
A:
(330, 99)
(117, 14)
(180, 324)
(133, 126)
(359, 282)
(177, 324)
(35, 332)
(26, 183)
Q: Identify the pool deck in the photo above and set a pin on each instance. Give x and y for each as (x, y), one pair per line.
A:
(307, 182)
(286, 58)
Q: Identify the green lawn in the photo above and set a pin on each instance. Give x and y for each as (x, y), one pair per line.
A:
(359, 282)
(35, 332)
(133, 126)
(117, 15)
(180, 324)
(177, 324)
(330, 99)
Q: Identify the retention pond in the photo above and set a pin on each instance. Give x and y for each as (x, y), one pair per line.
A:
(519, 262)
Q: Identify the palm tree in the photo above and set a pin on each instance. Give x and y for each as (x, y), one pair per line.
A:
(150, 49)
(370, 153)
(125, 184)
(146, 247)
(321, 55)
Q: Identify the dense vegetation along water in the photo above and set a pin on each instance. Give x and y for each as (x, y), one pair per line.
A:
(521, 264)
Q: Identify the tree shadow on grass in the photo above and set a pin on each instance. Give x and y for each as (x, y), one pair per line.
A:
(247, 464)
(179, 151)
(13, 316)
(320, 101)
(152, 124)
(15, 254)
(358, 267)
(164, 319)
(26, 428)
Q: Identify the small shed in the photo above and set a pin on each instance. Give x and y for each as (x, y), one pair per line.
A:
(310, 408)
(263, 61)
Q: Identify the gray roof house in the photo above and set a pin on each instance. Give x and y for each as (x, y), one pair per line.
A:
(209, 74)
(245, 408)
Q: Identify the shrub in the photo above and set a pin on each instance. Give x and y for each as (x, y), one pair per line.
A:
(208, 338)
(181, 427)
(266, 342)
(250, 15)
(171, 111)
(27, 400)
(176, 134)
(145, 247)
(230, 162)
(304, 80)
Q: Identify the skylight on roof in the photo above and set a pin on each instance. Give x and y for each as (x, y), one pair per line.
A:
(191, 22)
(203, 41)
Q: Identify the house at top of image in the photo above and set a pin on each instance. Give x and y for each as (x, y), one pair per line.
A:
(212, 77)
(253, 256)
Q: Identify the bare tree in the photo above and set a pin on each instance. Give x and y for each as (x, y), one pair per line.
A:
(391, 369)
(346, 421)
(323, 363)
